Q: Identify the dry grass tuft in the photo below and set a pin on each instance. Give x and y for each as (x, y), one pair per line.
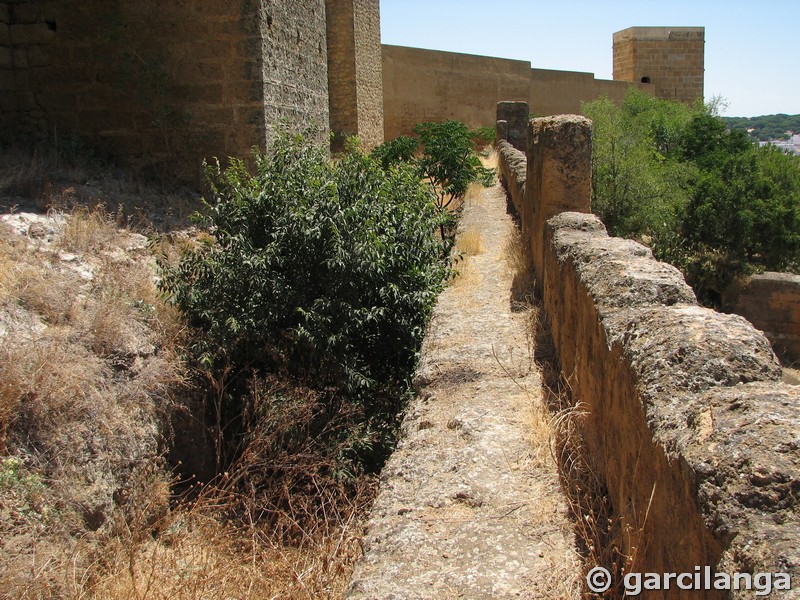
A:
(89, 230)
(275, 525)
(470, 242)
(573, 449)
(467, 275)
(562, 423)
(475, 192)
(199, 556)
(91, 388)
(84, 383)
(49, 292)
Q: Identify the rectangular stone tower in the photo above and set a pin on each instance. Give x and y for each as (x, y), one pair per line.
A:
(355, 82)
(671, 59)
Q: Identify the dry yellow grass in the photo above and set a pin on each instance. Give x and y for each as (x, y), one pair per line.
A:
(518, 263)
(83, 379)
(470, 242)
(467, 275)
(88, 230)
(198, 556)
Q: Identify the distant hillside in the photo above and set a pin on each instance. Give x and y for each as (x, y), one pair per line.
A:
(766, 127)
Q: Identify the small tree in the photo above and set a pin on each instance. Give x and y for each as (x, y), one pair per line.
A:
(706, 199)
(638, 189)
(744, 213)
(449, 161)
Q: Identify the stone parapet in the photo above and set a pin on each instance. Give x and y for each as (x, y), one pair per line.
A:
(690, 429)
(512, 171)
(516, 115)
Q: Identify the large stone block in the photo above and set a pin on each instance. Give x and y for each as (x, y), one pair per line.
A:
(559, 175)
(516, 114)
(31, 33)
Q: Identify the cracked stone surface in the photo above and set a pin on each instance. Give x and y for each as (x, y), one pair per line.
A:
(470, 504)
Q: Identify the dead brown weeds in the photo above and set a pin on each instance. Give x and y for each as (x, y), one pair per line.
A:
(598, 529)
(470, 242)
(89, 230)
(90, 376)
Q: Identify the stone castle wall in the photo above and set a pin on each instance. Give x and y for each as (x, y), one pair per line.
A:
(355, 70)
(430, 85)
(426, 85)
(163, 85)
(295, 64)
(670, 59)
(682, 410)
(168, 85)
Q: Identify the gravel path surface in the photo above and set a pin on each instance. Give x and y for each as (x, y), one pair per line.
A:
(470, 505)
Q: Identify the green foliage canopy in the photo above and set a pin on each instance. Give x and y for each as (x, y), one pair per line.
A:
(705, 198)
(765, 127)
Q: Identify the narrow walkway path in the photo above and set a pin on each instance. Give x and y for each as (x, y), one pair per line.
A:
(470, 505)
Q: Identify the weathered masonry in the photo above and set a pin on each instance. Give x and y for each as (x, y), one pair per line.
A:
(355, 79)
(671, 59)
(429, 85)
(771, 302)
(692, 432)
(167, 84)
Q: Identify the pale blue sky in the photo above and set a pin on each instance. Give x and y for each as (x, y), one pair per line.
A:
(752, 47)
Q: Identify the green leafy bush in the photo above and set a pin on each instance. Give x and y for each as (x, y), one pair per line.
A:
(324, 271)
(744, 211)
(483, 136)
(637, 190)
